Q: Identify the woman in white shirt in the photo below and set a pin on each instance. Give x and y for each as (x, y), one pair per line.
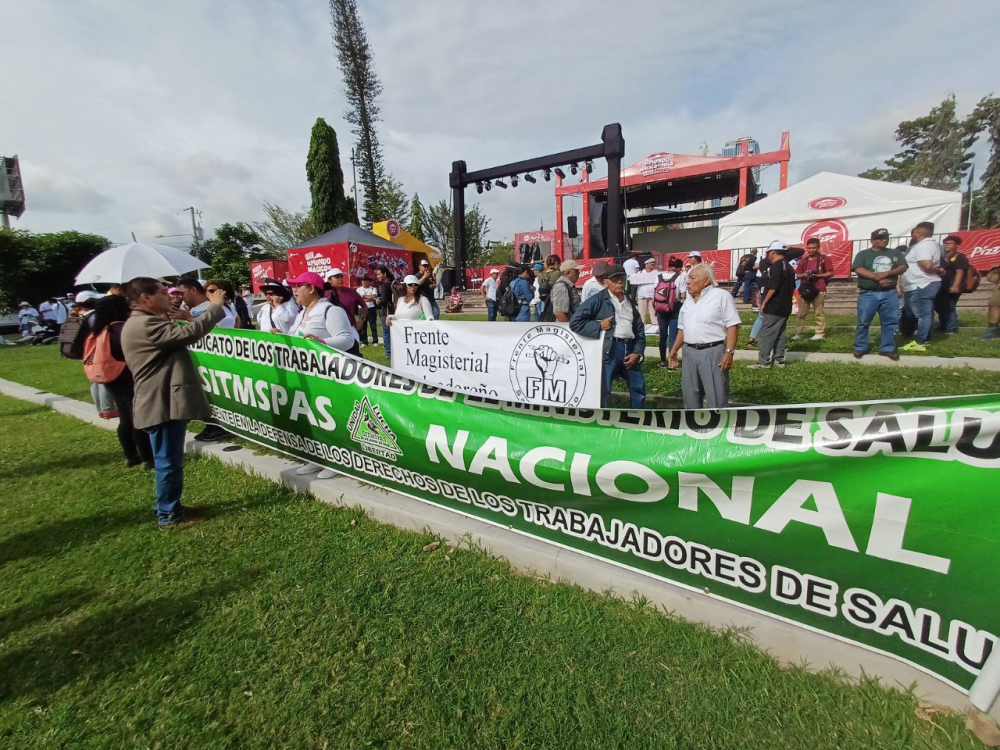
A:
(321, 321)
(413, 305)
(278, 314)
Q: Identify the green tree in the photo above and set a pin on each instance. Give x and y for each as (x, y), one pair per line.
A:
(283, 229)
(936, 149)
(330, 208)
(417, 219)
(440, 228)
(362, 89)
(986, 200)
(34, 267)
(392, 202)
(229, 253)
(498, 254)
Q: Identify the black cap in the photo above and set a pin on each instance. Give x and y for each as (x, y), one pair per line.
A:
(614, 271)
(880, 234)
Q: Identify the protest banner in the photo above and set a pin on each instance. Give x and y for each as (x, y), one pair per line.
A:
(874, 523)
(536, 363)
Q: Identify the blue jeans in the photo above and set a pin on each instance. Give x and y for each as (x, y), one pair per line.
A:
(632, 375)
(524, 316)
(435, 308)
(747, 282)
(886, 304)
(491, 309)
(167, 441)
(755, 328)
(385, 336)
(919, 304)
(668, 332)
(539, 309)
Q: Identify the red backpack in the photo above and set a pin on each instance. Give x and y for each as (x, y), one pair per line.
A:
(665, 299)
(99, 363)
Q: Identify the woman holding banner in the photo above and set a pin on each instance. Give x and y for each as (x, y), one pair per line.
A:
(278, 314)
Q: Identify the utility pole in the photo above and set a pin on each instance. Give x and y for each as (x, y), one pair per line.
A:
(194, 232)
(6, 219)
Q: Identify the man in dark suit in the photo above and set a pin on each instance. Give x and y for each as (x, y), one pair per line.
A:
(168, 392)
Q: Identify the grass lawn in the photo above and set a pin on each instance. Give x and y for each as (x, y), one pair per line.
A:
(282, 622)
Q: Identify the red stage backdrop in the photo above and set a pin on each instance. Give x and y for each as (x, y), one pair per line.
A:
(349, 258)
(270, 269)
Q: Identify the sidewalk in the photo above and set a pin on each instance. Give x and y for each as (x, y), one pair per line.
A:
(976, 363)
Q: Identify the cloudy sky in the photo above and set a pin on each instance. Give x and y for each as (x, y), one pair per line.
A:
(125, 113)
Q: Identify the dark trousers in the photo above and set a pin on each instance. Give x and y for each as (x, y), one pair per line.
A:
(946, 306)
(615, 367)
(371, 325)
(747, 282)
(668, 332)
(491, 310)
(135, 443)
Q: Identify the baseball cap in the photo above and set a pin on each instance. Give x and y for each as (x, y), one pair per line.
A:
(777, 245)
(614, 271)
(331, 272)
(88, 298)
(600, 268)
(494, 270)
(649, 260)
(568, 265)
(424, 263)
(411, 279)
(172, 289)
(311, 278)
(694, 254)
(880, 234)
(24, 304)
(538, 267)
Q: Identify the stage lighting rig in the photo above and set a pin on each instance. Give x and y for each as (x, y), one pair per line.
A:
(530, 178)
(547, 174)
(500, 184)
(560, 173)
(479, 187)
(572, 168)
(488, 185)
(513, 181)
(590, 167)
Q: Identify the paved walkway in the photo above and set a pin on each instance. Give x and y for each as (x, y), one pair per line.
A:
(976, 363)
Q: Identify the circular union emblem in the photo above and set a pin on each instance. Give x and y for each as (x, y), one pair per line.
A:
(353, 247)
(825, 204)
(392, 227)
(828, 230)
(547, 367)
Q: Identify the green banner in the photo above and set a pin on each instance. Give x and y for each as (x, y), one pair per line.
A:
(874, 522)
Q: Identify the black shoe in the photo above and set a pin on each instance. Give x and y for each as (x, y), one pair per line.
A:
(211, 433)
(132, 461)
(148, 465)
(858, 355)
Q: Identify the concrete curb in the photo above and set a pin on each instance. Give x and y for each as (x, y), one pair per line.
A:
(872, 358)
(789, 644)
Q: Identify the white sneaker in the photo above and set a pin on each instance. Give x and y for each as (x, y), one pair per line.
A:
(797, 337)
(326, 474)
(307, 469)
(818, 337)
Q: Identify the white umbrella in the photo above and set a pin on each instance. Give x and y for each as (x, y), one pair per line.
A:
(127, 262)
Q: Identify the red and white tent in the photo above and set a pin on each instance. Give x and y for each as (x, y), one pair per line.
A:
(837, 209)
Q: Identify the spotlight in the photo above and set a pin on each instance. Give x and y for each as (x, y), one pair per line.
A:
(560, 173)
(501, 184)
(590, 166)
(547, 174)
(479, 187)
(513, 181)
(530, 178)
(488, 185)
(572, 168)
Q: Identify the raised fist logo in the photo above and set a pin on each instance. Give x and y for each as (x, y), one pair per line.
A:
(546, 359)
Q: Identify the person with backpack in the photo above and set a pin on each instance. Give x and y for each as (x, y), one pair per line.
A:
(104, 363)
(645, 282)
(667, 305)
(73, 339)
(958, 279)
(521, 290)
(545, 278)
(812, 272)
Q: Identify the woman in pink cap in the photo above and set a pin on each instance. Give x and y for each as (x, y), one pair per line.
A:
(320, 320)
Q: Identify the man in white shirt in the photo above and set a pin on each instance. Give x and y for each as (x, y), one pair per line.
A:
(707, 329)
(489, 290)
(921, 282)
(248, 300)
(693, 259)
(595, 283)
(631, 267)
(197, 302)
(27, 316)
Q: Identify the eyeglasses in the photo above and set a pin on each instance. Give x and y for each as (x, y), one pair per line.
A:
(413, 284)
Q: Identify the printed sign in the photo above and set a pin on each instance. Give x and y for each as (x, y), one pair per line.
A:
(825, 204)
(871, 522)
(543, 363)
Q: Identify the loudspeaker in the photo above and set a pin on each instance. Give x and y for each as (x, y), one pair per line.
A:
(571, 227)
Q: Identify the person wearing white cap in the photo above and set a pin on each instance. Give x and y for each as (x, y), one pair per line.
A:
(413, 304)
(564, 299)
(645, 283)
(489, 290)
(27, 316)
(693, 259)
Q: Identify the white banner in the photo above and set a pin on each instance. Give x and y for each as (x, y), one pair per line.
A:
(534, 363)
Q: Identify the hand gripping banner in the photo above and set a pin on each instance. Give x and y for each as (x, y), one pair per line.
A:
(876, 523)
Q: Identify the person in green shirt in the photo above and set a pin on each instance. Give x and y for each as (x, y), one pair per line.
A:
(878, 269)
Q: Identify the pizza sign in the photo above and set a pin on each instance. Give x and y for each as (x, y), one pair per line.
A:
(828, 230)
(825, 204)
(392, 227)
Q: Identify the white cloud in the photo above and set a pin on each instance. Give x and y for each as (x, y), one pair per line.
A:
(125, 113)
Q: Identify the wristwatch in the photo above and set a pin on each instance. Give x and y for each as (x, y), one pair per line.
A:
(730, 351)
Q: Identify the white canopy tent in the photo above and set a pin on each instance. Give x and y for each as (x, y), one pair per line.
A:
(838, 208)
